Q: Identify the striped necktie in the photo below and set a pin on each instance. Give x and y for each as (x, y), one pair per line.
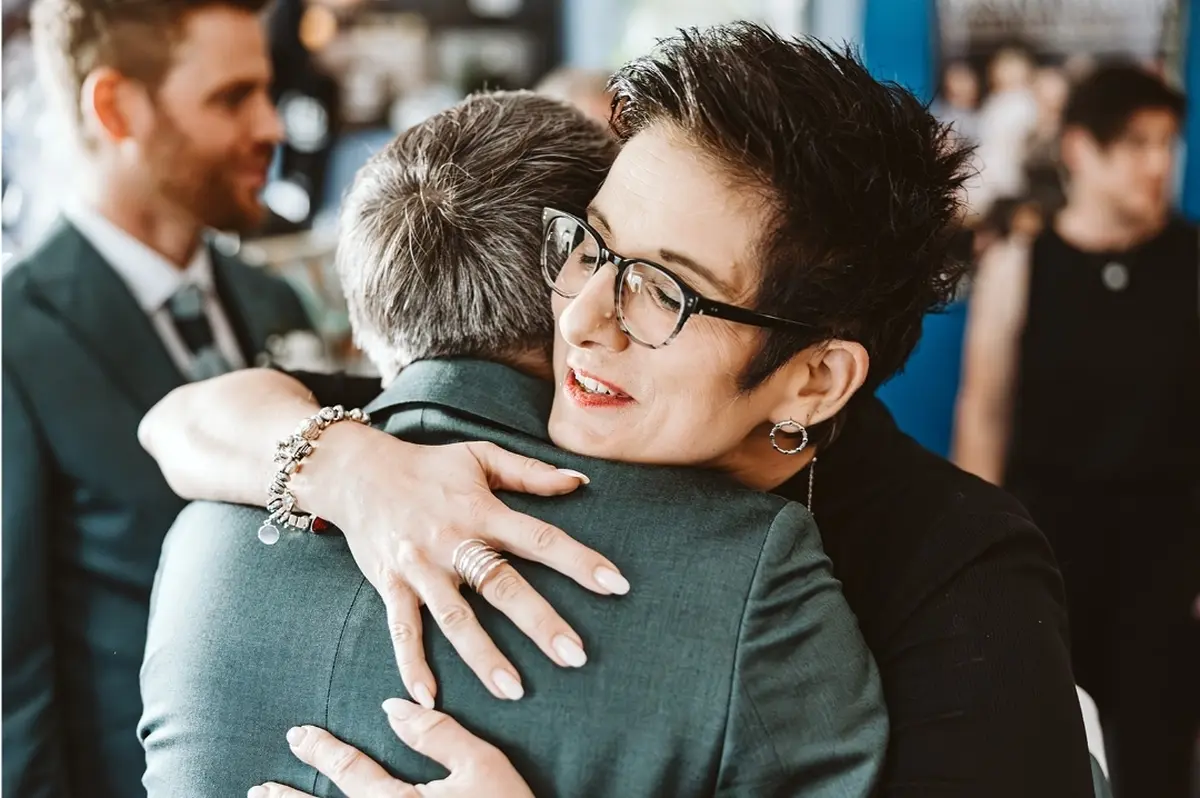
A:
(187, 312)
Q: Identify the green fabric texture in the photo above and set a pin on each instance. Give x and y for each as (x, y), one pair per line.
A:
(734, 666)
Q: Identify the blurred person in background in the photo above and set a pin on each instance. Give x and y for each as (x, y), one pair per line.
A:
(957, 103)
(586, 89)
(1006, 119)
(1043, 166)
(1080, 392)
(123, 301)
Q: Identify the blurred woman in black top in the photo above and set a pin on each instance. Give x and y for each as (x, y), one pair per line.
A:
(1081, 393)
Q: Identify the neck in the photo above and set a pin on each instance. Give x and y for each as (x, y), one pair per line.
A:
(758, 466)
(159, 224)
(534, 363)
(1092, 225)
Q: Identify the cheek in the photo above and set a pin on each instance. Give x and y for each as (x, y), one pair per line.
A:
(557, 305)
(700, 378)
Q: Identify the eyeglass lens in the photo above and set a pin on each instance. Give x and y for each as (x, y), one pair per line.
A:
(650, 301)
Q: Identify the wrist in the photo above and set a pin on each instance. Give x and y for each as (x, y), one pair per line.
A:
(329, 485)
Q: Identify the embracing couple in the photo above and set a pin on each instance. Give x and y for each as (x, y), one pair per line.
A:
(661, 354)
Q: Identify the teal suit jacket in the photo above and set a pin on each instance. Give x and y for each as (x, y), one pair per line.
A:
(733, 668)
(85, 509)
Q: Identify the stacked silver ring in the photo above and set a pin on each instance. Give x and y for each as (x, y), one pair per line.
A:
(474, 560)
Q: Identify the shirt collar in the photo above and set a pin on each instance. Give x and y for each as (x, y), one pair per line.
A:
(150, 277)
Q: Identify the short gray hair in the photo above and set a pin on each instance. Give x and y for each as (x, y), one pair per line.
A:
(440, 241)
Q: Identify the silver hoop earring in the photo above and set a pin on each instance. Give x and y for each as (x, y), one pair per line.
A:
(792, 428)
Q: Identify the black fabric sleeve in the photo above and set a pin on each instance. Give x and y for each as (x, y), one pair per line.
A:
(338, 388)
(978, 680)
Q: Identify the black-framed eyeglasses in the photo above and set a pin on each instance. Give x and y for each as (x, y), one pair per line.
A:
(652, 303)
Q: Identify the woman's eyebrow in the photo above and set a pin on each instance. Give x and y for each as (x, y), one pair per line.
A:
(672, 257)
(683, 261)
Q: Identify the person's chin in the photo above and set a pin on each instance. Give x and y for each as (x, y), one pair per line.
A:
(1148, 211)
(569, 432)
(244, 218)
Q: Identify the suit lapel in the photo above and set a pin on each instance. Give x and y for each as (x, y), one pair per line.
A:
(250, 309)
(102, 315)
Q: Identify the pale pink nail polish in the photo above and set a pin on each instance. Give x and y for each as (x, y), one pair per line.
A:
(570, 472)
(611, 581)
(508, 686)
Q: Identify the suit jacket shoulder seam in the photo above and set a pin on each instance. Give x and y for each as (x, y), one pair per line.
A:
(337, 654)
(733, 673)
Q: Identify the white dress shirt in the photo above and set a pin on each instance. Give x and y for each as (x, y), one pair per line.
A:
(153, 280)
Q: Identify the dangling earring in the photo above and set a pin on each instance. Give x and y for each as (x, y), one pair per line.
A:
(792, 428)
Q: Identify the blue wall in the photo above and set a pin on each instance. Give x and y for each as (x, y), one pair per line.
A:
(1191, 75)
(900, 43)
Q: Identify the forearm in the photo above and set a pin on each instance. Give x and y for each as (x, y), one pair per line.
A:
(216, 439)
(981, 439)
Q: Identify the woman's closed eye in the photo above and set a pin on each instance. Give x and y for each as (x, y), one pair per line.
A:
(664, 298)
(662, 295)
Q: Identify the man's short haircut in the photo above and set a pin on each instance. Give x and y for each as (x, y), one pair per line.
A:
(1105, 101)
(863, 183)
(135, 37)
(440, 244)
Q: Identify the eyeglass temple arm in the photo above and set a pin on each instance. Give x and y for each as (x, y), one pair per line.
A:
(720, 310)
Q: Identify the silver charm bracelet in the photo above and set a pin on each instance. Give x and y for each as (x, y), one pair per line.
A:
(289, 454)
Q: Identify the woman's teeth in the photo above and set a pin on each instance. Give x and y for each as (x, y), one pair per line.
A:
(592, 386)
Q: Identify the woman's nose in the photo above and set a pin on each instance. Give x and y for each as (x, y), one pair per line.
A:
(590, 318)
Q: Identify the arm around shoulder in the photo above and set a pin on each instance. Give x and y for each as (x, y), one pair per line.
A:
(216, 439)
(807, 714)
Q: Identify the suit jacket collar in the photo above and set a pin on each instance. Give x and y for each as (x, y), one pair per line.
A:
(491, 392)
(150, 277)
(97, 306)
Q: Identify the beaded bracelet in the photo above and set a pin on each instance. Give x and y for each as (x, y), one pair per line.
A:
(289, 454)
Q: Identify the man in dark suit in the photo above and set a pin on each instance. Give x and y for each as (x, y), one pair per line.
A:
(122, 302)
(734, 668)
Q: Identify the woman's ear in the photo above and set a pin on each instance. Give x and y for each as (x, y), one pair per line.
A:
(820, 384)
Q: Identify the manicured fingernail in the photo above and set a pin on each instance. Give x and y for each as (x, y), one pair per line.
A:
(399, 709)
(421, 694)
(611, 581)
(570, 651)
(295, 735)
(257, 792)
(508, 686)
(572, 473)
